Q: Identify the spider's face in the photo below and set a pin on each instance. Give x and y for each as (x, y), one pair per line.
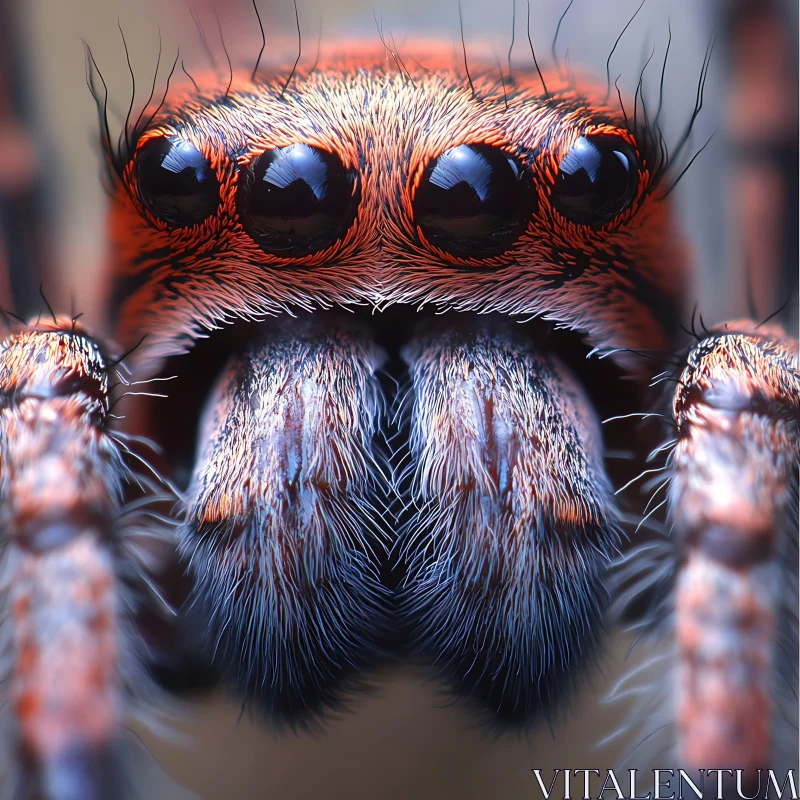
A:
(361, 185)
(356, 185)
(473, 526)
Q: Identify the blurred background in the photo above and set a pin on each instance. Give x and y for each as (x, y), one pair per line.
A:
(738, 204)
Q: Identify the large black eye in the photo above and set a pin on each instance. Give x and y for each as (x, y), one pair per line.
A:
(597, 180)
(297, 200)
(474, 200)
(175, 182)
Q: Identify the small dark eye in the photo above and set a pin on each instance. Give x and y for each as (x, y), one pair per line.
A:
(474, 200)
(597, 180)
(297, 200)
(175, 181)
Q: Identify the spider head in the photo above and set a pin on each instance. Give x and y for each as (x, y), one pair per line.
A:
(358, 185)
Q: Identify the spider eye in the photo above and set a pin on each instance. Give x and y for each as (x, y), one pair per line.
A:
(474, 200)
(597, 180)
(297, 200)
(175, 181)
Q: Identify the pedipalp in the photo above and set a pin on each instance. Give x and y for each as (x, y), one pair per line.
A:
(721, 579)
(71, 570)
(733, 508)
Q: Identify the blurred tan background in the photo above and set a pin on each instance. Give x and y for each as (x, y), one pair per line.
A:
(403, 741)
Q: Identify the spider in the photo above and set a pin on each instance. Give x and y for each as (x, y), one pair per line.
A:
(388, 306)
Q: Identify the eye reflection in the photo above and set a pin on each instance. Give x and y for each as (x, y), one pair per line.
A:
(597, 180)
(175, 182)
(474, 200)
(297, 200)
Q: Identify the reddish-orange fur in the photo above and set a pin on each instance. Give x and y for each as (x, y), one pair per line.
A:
(375, 119)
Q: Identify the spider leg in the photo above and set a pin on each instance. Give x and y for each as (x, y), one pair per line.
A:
(61, 482)
(283, 535)
(733, 506)
(515, 519)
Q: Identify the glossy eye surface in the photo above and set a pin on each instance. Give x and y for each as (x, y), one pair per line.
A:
(597, 180)
(175, 182)
(474, 200)
(297, 200)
